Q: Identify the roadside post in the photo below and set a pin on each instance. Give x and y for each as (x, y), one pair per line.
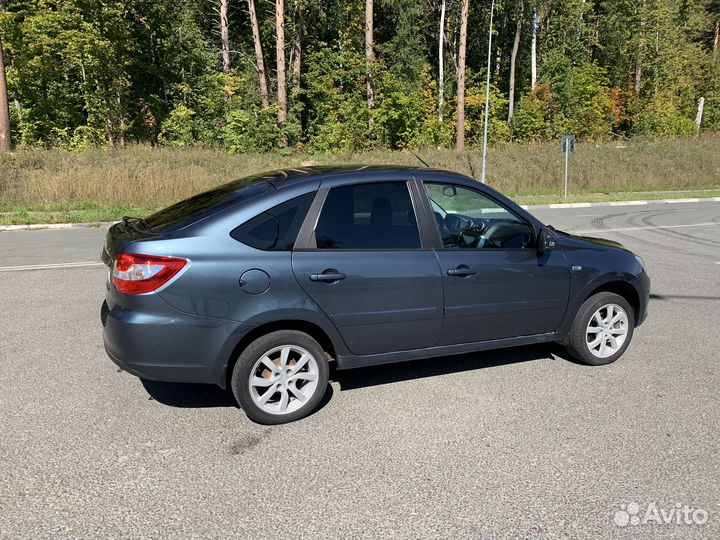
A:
(568, 147)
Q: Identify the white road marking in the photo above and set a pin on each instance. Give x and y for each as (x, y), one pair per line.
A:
(588, 231)
(54, 266)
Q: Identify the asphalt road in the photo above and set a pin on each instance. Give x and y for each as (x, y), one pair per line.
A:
(509, 444)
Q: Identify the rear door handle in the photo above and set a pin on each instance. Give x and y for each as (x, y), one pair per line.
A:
(461, 271)
(328, 276)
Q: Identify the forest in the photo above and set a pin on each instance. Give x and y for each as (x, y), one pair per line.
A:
(351, 75)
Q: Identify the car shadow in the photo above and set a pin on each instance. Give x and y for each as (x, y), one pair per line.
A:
(188, 395)
(201, 396)
(431, 367)
(682, 297)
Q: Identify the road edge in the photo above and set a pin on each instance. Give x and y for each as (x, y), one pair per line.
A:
(555, 206)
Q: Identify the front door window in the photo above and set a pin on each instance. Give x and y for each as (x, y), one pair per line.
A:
(468, 219)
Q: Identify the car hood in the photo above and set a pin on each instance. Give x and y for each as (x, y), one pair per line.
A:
(593, 240)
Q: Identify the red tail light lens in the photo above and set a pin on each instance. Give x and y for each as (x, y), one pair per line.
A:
(143, 274)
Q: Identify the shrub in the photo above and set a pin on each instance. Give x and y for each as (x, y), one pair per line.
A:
(662, 118)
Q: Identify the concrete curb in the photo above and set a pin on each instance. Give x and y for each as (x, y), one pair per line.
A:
(99, 224)
(617, 203)
(37, 226)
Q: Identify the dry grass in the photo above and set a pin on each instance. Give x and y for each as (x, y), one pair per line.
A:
(150, 177)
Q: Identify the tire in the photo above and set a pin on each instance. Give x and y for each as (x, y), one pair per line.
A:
(269, 364)
(596, 348)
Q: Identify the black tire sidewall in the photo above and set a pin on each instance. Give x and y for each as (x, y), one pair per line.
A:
(250, 355)
(577, 342)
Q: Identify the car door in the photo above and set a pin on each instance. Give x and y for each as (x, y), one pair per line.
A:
(495, 283)
(366, 267)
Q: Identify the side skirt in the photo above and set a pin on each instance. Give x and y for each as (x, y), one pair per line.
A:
(351, 362)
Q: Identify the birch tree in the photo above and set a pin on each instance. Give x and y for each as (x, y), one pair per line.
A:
(533, 48)
(513, 58)
(441, 61)
(369, 59)
(5, 142)
(259, 58)
(460, 137)
(225, 35)
(280, 60)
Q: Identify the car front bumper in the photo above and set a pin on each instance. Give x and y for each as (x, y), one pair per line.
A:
(641, 283)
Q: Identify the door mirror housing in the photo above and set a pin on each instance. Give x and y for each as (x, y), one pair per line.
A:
(546, 241)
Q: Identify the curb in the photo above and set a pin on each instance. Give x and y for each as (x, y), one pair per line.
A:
(37, 226)
(557, 206)
(616, 203)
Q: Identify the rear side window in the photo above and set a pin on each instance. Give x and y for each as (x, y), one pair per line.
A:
(275, 229)
(368, 216)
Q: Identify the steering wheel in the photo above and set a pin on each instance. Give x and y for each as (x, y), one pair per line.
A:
(485, 239)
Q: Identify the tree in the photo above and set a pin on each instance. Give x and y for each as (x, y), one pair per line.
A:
(259, 58)
(5, 140)
(513, 57)
(225, 35)
(639, 51)
(533, 48)
(280, 61)
(460, 137)
(441, 61)
(369, 59)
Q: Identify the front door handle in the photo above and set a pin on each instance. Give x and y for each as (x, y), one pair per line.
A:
(461, 271)
(328, 276)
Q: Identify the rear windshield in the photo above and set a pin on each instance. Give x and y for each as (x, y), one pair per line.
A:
(195, 208)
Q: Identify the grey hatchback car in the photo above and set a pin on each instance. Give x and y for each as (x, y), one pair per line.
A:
(260, 283)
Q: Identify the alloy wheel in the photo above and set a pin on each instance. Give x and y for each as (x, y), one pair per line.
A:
(607, 331)
(283, 379)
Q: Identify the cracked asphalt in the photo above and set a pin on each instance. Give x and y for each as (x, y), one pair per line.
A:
(516, 443)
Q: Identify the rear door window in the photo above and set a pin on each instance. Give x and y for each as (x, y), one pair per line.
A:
(275, 229)
(368, 216)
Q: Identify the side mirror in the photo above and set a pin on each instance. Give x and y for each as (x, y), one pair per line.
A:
(546, 241)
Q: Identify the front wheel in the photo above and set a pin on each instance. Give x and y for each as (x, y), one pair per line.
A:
(602, 330)
(280, 377)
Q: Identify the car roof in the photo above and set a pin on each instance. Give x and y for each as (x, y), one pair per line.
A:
(287, 177)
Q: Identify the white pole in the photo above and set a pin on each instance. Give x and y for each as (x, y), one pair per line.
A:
(567, 157)
(487, 95)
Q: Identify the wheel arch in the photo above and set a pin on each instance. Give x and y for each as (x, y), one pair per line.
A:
(621, 288)
(615, 283)
(312, 329)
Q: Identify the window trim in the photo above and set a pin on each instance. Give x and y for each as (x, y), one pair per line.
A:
(306, 240)
(438, 237)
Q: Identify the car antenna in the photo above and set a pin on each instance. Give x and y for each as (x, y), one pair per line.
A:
(421, 160)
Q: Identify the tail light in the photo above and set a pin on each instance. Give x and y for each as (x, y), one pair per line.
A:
(143, 274)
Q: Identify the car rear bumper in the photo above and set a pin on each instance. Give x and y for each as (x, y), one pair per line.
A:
(642, 286)
(171, 347)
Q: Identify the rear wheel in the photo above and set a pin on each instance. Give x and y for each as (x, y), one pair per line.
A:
(602, 330)
(280, 377)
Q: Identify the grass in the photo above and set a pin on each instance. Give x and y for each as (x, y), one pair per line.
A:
(50, 186)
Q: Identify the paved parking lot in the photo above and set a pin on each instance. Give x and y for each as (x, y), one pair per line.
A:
(511, 444)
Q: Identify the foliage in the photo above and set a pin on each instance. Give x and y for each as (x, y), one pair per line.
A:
(89, 73)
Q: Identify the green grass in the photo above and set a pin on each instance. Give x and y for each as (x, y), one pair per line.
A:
(52, 186)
